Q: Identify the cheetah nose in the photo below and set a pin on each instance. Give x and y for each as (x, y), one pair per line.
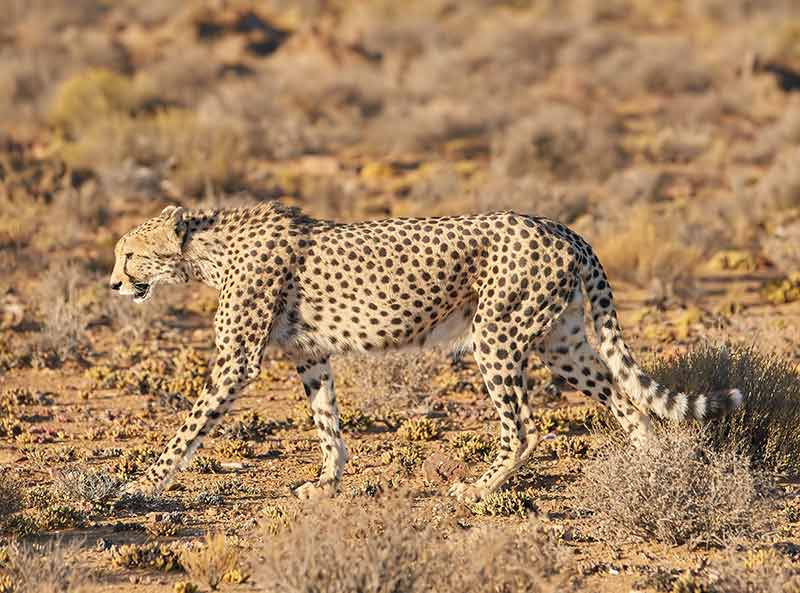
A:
(116, 285)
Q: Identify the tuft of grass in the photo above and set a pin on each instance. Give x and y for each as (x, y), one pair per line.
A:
(10, 494)
(189, 151)
(761, 571)
(354, 419)
(567, 419)
(344, 551)
(783, 290)
(48, 567)
(134, 461)
(277, 518)
(674, 490)
(57, 516)
(765, 427)
(522, 558)
(64, 317)
(93, 486)
(569, 447)
(779, 189)
(163, 524)
(212, 561)
(506, 503)
(530, 194)
(422, 429)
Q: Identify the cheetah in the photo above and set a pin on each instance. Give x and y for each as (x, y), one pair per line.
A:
(503, 285)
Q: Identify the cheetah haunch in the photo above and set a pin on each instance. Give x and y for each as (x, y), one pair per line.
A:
(503, 284)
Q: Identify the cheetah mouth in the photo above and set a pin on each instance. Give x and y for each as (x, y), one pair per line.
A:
(141, 290)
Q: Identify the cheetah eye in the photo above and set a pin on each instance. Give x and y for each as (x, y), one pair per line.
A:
(128, 256)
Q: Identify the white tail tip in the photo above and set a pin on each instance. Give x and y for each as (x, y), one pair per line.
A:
(736, 398)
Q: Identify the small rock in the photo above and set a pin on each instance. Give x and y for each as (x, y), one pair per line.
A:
(438, 468)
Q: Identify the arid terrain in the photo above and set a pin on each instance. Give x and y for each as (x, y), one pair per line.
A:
(666, 132)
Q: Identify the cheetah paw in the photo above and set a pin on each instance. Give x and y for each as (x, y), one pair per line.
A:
(466, 493)
(315, 490)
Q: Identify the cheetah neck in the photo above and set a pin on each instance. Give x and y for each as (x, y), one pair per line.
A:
(208, 249)
(205, 250)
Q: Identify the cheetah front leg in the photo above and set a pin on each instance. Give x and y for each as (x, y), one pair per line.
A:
(317, 377)
(241, 339)
(229, 377)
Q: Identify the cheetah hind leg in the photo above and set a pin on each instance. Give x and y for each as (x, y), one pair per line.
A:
(317, 377)
(503, 366)
(572, 358)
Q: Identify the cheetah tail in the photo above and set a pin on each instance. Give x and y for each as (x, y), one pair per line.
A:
(632, 380)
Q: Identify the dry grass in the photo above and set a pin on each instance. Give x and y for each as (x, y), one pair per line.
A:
(63, 316)
(531, 195)
(762, 571)
(49, 567)
(191, 151)
(399, 379)
(211, 561)
(95, 94)
(93, 486)
(675, 490)
(384, 550)
(666, 66)
(653, 250)
(779, 189)
(557, 141)
(765, 428)
(638, 185)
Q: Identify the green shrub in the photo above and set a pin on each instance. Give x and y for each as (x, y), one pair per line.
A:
(206, 465)
(471, 447)
(505, 503)
(423, 429)
(150, 555)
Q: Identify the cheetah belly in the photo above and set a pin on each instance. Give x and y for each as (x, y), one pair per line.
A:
(451, 333)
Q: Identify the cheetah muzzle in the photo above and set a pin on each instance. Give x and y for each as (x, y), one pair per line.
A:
(503, 285)
(141, 292)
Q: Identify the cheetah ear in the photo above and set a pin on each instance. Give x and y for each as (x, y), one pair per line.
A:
(174, 217)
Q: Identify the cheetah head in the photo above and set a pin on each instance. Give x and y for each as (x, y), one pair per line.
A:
(151, 254)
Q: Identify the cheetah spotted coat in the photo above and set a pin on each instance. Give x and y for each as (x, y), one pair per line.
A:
(505, 285)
